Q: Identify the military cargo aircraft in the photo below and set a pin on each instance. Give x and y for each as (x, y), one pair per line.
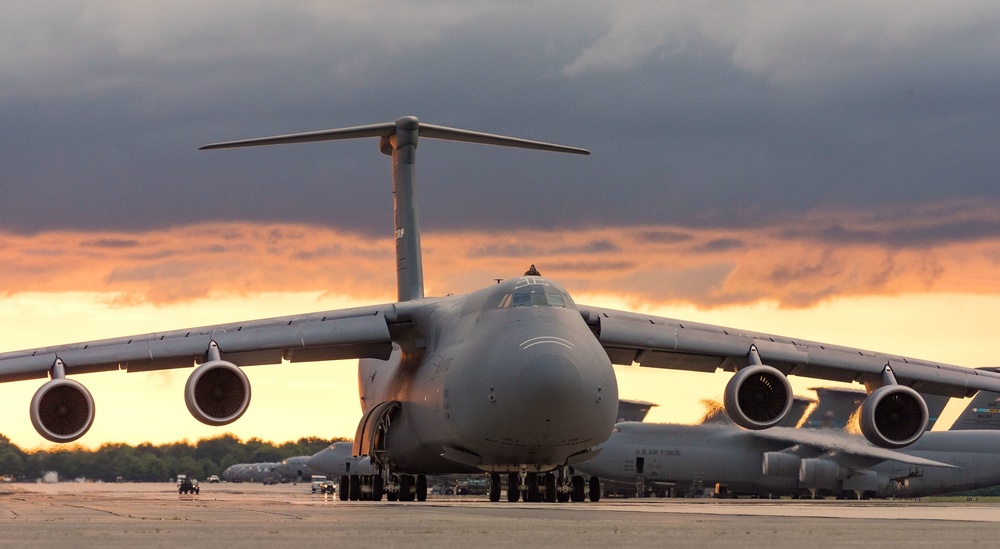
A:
(822, 457)
(515, 378)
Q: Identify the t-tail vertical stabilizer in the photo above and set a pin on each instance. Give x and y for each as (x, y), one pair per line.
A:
(399, 140)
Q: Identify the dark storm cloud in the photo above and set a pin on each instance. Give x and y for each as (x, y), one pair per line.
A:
(698, 115)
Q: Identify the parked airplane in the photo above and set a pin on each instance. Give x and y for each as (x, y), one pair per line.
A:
(834, 411)
(337, 460)
(982, 412)
(716, 412)
(633, 410)
(294, 469)
(512, 379)
(264, 472)
(783, 461)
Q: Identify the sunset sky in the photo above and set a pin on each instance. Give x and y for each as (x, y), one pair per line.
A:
(828, 172)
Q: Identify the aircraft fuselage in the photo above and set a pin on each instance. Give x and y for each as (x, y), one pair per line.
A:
(505, 377)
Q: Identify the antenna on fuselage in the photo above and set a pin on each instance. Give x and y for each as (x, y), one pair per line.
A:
(399, 140)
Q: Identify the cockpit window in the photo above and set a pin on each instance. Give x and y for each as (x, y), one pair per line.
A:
(534, 296)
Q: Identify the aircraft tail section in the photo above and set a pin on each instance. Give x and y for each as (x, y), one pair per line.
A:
(399, 140)
(983, 412)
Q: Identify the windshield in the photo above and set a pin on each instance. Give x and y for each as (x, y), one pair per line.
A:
(534, 296)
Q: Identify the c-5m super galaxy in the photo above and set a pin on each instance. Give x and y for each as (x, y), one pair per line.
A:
(512, 379)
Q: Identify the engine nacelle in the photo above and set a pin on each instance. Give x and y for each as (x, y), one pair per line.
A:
(781, 464)
(893, 416)
(62, 410)
(758, 397)
(217, 393)
(819, 473)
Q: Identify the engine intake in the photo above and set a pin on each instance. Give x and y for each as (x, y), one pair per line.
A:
(893, 416)
(62, 410)
(758, 397)
(217, 393)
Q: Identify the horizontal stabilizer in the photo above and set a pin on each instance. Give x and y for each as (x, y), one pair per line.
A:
(454, 134)
(355, 132)
(406, 123)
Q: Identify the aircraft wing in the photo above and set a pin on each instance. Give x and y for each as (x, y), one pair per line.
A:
(847, 449)
(332, 335)
(660, 342)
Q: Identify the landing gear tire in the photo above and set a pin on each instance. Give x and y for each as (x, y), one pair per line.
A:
(532, 493)
(513, 490)
(578, 493)
(595, 489)
(377, 488)
(345, 487)
(550, 488)
(495, 487)
(406, 488)
(421, 488)
(355, 488)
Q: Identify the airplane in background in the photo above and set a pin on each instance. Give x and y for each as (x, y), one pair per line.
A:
(983, 412)
(715, 412)
(263, 472)
(514, 379)
(294, 469)
(338, 461)
(826, 460)
(633, 410)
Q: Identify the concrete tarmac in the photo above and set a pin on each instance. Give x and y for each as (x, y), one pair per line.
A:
(250, 515)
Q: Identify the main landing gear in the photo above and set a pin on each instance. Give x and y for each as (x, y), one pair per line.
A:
(373, 488)
(547, 487)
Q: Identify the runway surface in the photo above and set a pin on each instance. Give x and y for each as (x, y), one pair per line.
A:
(248, 515)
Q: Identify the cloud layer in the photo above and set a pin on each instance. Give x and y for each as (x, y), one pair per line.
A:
(712, 115)
(794, 262)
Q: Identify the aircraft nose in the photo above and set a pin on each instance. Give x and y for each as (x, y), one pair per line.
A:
(546, 382)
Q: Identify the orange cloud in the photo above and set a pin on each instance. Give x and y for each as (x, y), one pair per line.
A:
(796, 263)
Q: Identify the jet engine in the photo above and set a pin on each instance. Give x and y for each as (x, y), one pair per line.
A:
(819, 473)
(62, 410)
(893, 416)
(781, 464)
(217, 393)
(758, 397)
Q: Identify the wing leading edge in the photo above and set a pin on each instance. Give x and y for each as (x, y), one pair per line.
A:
(659, 342)
(344, 334)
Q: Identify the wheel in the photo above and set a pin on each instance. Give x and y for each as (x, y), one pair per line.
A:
(345, 487)
(578, 492)
(550, 488)
(495, 487)
(532, 494)
(354, 492)
(513, 491)
(366, 487)
(406, 488)
(421, 488)
(377, 488)
(595, 489)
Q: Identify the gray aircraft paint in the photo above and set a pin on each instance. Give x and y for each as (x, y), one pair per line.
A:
(729, 455)
(633, 410)
(294, 469)
(338, 459)
(982, 412)
(834, 407)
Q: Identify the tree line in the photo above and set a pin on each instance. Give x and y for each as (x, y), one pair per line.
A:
(147, 462)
